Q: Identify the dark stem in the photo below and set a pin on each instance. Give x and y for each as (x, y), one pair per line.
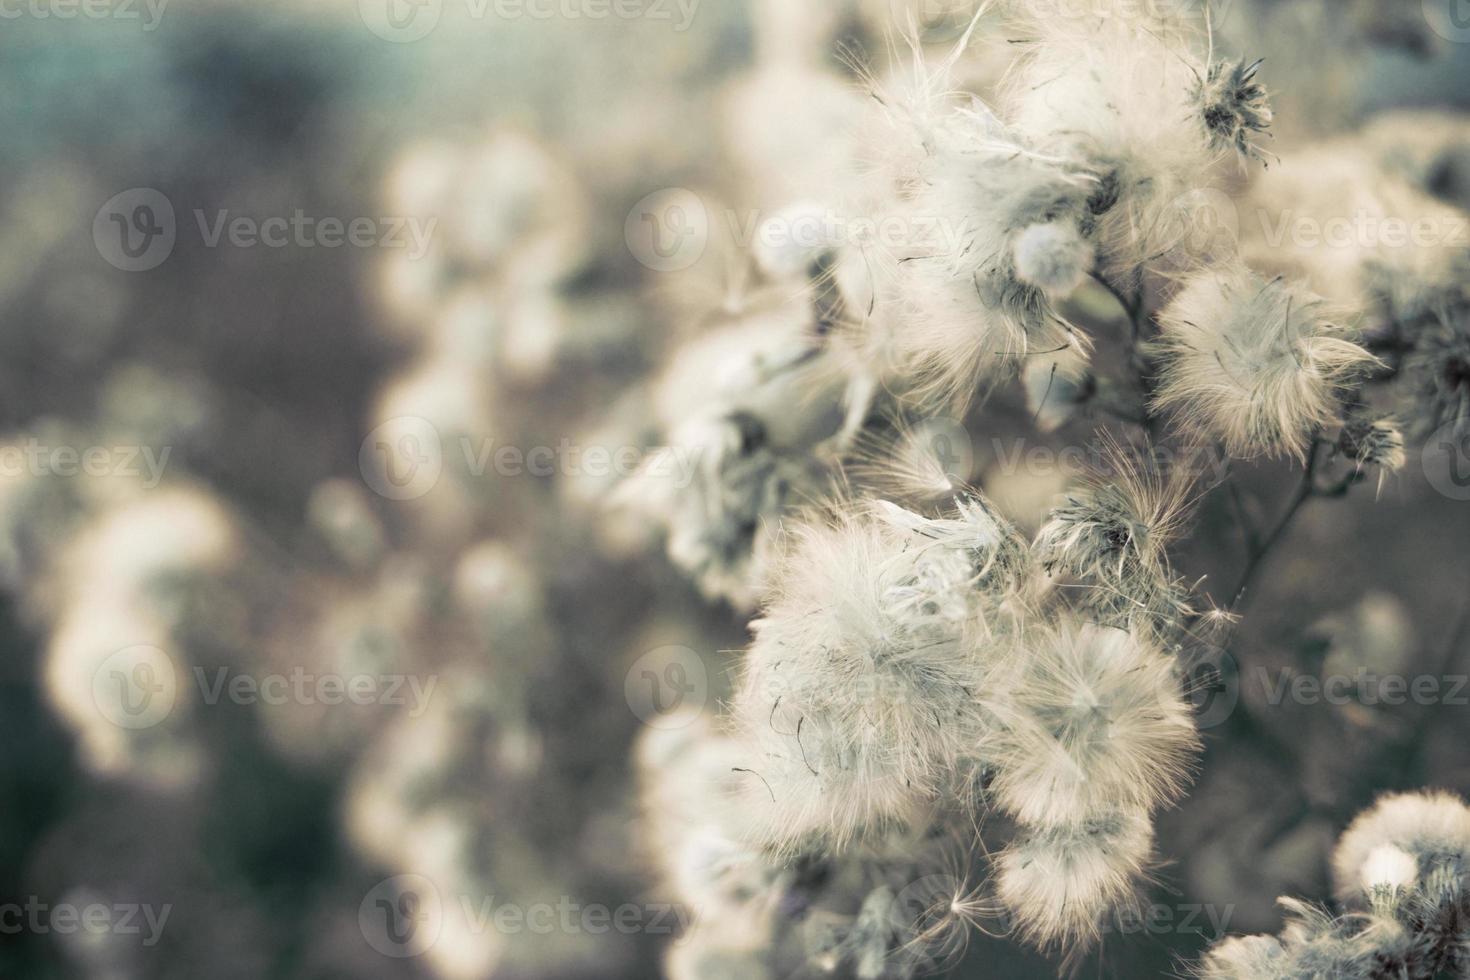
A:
(1305, 490)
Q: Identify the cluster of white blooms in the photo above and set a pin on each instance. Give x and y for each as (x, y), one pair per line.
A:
(1402, 877)
(916, 663)
(907, 673)
(1257, 364)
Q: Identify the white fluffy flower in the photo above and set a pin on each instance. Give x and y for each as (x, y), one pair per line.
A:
(1245, 958)
(1388, 867)
(1060, 883)
(1112, 536)
(974, 292)
(1256, 364)
(1098, 721)
(1119, 95)
(1431, 830)
(858, 703)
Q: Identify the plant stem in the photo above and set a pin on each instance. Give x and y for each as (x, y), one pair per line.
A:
(1305, 490)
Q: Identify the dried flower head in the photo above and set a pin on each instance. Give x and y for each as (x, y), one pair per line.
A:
(1256, 364)
(1438, 369)
(1112, 535)
(1119, 95)
(1431, 829)
(858, 700)
(1400, 872)
(1234, 106)
(1369, 441)
(1060, 882)
(722, 488)
(1001, 240)
(1099, 720)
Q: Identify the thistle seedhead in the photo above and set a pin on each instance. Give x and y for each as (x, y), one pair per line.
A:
(1060, 883)
(1112, 535)
(858, 704)
(1431, 830)
(1368, 441)
(1438, 369)
(1098, 721)
(1259, 365)
(1400, 873)
(722, 489)
(1234, 106)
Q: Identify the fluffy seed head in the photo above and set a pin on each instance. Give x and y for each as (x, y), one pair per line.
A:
(1098, 721)
(1245, 958)
(1256, 364)
(858, 702)
(1388, 867)
(1234, 106)
(1060, 883)
(1439, 369)
(1372, 442)
(1431, 829)
(1112, 535)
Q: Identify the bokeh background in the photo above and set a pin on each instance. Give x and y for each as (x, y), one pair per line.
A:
(295, 620)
